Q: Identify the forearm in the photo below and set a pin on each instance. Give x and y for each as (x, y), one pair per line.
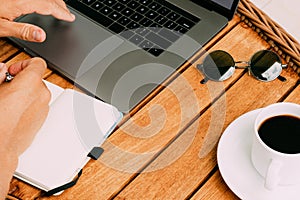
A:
(8, 165)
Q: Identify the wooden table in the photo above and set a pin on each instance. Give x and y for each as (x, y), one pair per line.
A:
(166, 149)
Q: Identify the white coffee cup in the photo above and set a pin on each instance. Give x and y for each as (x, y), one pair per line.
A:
(276, 167)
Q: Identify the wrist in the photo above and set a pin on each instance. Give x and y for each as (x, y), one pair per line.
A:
(8, 165)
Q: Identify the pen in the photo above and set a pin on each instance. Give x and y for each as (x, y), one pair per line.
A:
(9, 77)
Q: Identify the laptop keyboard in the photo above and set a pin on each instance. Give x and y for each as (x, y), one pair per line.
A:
(152, 25)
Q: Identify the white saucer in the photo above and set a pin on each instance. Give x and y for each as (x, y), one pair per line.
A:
(234, 150)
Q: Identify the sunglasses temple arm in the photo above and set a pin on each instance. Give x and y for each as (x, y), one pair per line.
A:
(284, 65)
(281, 78)
(203, 81)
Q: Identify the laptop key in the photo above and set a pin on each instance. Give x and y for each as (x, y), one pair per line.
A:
(114, 15)
(124, 20)
(88, 2)
(133, 25)
(170, 25)
(155, 27)
(124, 1)
(118, 7)
(154, 6)
(146, 22)
(105, 10)
(160, 20)
(110, 2)
(180, 30)
(145, 2)
(117, 28)
(156, 51)
(127, 34)
(142, 9)
(168, 34)
(185, 22)
(151, 14)
(173, 16)
(136, 39)
(156, 39)
(136, 17)
(103, 20)
(133, 5)
(146, 45)
(142, 31)
(164, 11)
(127, 12)
(97, 5)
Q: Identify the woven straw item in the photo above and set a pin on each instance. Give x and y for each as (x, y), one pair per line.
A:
(281, 41)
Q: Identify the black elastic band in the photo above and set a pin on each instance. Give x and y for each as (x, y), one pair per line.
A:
(63, 187)
(95, 153)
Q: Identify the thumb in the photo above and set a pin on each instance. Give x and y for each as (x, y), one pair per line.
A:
(23, 31)
(36, 65)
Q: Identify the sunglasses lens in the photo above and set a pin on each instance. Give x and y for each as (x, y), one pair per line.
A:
(218, 66)
(265, 65)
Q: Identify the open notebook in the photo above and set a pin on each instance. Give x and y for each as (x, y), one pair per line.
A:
(75, 124)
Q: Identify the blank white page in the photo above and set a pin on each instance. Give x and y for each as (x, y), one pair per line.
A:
(75, 124)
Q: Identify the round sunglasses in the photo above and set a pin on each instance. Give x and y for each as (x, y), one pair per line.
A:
(219, 65)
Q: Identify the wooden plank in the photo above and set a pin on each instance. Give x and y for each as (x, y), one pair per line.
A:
(21, 190)
(60, 81)
(132, 146)
(210, 191)
(8, 197)
(19, 57)
(294, 96)
(6, 50)
(216, 188)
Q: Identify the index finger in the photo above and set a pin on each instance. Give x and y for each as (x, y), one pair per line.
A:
(56, 8)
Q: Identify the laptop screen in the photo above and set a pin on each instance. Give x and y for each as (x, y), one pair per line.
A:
(224, 7)
(225, 3)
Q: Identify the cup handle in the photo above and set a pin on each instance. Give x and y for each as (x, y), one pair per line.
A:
(272, 177)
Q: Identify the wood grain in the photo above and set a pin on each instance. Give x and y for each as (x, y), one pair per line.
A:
(179, 179)
(167, 148)
(91, 180)
(131, 147)
(294, 96)
(6, 50)
(215, 189)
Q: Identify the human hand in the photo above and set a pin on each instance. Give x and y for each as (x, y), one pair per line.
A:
(10, 10)
(24, 107)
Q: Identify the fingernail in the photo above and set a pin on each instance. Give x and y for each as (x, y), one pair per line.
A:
(72, 16)
(36, 35)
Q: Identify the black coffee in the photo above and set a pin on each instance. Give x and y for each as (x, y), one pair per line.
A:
(281, 133)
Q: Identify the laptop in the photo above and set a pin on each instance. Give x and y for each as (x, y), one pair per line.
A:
(121, 50)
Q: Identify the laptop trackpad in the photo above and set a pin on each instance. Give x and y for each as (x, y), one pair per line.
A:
(68, 44)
